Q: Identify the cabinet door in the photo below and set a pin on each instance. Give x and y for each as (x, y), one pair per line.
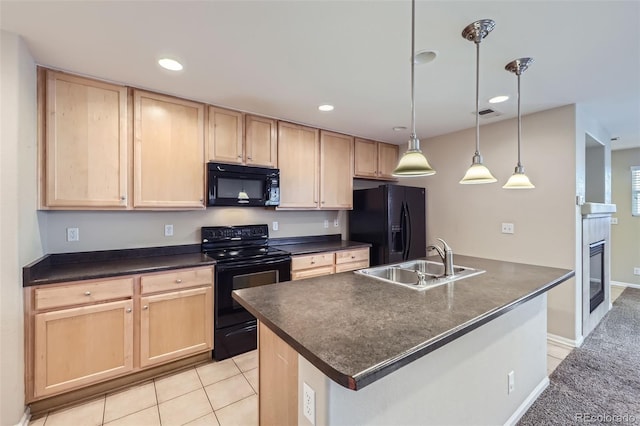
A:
(176, 324)
(225, 136)
(85, 143)
(387, 160)
(336, 171)
(169, 152)
(261, 143)
(365, 158)
(298, 159)
(80, 346)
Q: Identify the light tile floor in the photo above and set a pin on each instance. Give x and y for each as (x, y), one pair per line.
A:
(216, 394)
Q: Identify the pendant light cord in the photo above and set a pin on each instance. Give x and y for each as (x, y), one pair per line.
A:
(478, 95)
(413, 136)
(519, 119)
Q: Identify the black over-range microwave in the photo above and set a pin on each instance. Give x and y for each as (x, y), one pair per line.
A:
(242, 186)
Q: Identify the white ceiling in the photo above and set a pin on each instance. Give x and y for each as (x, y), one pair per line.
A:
(284, 58)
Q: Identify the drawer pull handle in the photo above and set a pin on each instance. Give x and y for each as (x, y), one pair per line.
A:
(313, 263)
(128, 310)
(178, 281)
(353, 257)
(145, 307)
(87, 293)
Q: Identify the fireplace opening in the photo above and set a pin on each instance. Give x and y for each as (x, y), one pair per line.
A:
(596, 274)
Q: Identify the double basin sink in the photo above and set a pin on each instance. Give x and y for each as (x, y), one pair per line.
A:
(418, 274)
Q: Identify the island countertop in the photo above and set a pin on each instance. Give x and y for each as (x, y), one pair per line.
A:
(357, 329)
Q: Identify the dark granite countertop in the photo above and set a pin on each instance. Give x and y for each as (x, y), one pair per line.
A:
(55, 268)
(357, 329)
(315, 244)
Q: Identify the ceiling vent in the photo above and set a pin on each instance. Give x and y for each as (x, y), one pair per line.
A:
(488, 113)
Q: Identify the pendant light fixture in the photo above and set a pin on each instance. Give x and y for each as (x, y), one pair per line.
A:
(413, 162)
(478, 173)
(518, 179)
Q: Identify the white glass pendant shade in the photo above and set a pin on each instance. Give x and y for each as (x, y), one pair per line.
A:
(477, 173)
(518, 181)
(412, 164)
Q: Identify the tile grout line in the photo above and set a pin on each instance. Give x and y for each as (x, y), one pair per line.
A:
(207, 395)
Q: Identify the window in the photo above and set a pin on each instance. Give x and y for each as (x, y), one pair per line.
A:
(635, 190)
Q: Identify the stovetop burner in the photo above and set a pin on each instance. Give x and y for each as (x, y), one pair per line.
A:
(230, 243)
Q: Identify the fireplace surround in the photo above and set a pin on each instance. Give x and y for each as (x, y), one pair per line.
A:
(596, 266)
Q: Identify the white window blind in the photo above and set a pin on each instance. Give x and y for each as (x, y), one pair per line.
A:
(635, 190)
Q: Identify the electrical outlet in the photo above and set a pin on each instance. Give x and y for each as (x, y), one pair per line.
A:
(326, 223)
(73, 234)
(508, 228)
(614, 220)
(274, 226)
(336, 223)
(636, 271)
(168, 230)
(511, 380)
(309, 403)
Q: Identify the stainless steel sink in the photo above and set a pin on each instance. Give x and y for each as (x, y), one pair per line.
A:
(418, 274)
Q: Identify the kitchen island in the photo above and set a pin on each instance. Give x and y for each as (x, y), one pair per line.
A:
(439, 356)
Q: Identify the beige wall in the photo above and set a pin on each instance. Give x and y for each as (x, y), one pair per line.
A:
(625, 236)
(469, 217)
(19, 231)
(118, 230)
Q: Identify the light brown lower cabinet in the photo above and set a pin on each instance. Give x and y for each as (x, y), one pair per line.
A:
(278, 380)
(85, 332)
(79, 346)
(325, 263)
(175, 324)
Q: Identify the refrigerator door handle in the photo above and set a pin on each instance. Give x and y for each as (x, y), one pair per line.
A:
(402, 230)
(409, 230)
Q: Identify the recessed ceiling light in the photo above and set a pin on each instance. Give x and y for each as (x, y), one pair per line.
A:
(498, 99)
(425, 56)
(170, 64)
(325, 107)
(399, 128)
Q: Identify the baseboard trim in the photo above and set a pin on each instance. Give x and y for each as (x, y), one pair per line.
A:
(24, 421)
(528, 402)
(563, 341)
(623, 284)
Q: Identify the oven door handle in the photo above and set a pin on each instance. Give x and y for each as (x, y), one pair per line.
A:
(235, 265)
(245, 329)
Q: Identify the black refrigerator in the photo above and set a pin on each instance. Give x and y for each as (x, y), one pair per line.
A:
(393, 219)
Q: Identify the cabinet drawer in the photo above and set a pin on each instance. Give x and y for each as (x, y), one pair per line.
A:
(314, 272)
(357, 255)
(83, 292)
(311, 261)
(175, 280)
(344, 267)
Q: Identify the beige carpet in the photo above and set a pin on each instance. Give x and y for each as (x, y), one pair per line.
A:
(598, 383)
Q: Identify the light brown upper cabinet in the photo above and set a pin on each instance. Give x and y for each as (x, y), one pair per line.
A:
(83, 142)
(298, 159)
(168, 166)
(374, 160)
(336, 171)
(260, 141)
(225, 137)
(242, 139)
